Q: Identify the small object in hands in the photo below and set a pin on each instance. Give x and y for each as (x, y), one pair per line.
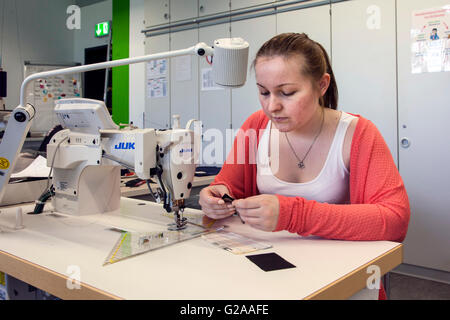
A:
(229, 199)
(270, 261)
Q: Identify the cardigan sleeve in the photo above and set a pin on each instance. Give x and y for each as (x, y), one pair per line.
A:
(379, 206)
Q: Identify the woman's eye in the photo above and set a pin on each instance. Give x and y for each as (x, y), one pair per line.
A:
(264, 93)
(287, 94)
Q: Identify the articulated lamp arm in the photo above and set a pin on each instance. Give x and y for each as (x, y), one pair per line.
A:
(229, 70)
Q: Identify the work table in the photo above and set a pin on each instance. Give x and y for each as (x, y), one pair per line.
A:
(51, 250)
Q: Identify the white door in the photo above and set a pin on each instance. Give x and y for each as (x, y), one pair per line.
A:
(157, 85)
(245, 99)
(157, 12)
(210, 7)
(183, 9)
(184, 77)
(424, 113)
(240, 4)
(364, 62)
(215, 103)
(315, 22)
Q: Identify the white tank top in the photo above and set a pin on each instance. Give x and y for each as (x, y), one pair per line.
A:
(332, 183)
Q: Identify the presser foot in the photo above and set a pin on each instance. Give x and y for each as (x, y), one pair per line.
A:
(180, 223)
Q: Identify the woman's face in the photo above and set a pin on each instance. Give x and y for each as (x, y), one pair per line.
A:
(287, 97)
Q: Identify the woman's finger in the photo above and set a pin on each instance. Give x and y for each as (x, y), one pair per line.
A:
(218, 216)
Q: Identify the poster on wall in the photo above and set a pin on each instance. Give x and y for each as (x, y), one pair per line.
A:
(207, 81)
(157, 78)
(157, 88)
(430, 35)
(43, 92)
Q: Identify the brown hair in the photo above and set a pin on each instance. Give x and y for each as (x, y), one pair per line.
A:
(316, 60)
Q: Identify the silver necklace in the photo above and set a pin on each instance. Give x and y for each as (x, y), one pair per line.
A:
(301, 163)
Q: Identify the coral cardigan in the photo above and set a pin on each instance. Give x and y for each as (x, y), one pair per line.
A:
(379, 207)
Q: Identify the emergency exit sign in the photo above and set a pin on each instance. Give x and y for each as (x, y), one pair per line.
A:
(102, 29)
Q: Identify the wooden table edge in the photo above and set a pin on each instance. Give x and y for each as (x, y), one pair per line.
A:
(346, 286)
(48, 280)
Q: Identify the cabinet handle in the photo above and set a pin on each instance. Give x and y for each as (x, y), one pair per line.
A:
(405, 143)
(166, 16)
(202, 8)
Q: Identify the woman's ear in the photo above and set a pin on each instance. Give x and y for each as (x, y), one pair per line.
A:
(324, 83)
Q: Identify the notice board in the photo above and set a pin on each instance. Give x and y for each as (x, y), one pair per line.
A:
(42, 94)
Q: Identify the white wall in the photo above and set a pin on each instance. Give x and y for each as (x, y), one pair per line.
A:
(84, 37)
(32, 31)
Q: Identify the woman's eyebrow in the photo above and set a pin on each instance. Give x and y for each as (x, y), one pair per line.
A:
(278, 86)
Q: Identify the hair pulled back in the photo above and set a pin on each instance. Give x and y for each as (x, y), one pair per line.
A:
(315, 58)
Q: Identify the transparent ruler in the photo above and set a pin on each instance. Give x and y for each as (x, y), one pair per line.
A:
(131, 244)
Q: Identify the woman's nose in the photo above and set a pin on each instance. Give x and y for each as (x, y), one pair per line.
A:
(274, 104)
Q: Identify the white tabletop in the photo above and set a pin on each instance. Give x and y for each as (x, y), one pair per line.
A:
(194, 269)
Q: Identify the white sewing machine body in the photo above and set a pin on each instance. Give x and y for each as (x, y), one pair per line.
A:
(86, 157)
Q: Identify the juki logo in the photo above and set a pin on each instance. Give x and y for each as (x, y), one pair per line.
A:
(125, 146)
(185, 150)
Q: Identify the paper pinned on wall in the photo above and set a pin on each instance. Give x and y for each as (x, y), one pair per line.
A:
(157, 88)
(156, 68)
(157, 78)
(183, 68)
(207, 80)
(430, 36)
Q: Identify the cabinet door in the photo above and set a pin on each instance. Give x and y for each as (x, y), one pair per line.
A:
(157, 12)
(215, 105)
(239, 4)
(364, 63)
(183, 9)
(157, 107)
(315, 22)
(423, 100)
(208, 7)
(245, 99)
(184, 77)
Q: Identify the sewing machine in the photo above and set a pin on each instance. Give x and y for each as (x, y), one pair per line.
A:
(87, 154)
(86, 157)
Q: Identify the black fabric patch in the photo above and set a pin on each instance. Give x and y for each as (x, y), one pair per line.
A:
(270, 261)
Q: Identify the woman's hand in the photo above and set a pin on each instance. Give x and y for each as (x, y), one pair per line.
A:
(261, 211)
(212, 203)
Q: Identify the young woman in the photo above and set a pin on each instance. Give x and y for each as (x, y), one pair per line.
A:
(318, 171)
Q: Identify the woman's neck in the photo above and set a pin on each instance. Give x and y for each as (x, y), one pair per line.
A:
(313, 126)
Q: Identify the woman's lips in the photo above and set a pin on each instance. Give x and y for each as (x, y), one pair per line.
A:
(279, 119)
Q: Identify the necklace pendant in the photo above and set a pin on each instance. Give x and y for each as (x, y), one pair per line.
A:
(301, 165)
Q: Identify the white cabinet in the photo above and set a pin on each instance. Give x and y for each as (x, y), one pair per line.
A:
(183, 9)
(315, 22)
(157, 108)
(157, 12)
(209, 7)
(165, 11)
(239, 4)
(364, 63)
(184, 77)
(245, 100)
(215, 105)
(424, 111)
